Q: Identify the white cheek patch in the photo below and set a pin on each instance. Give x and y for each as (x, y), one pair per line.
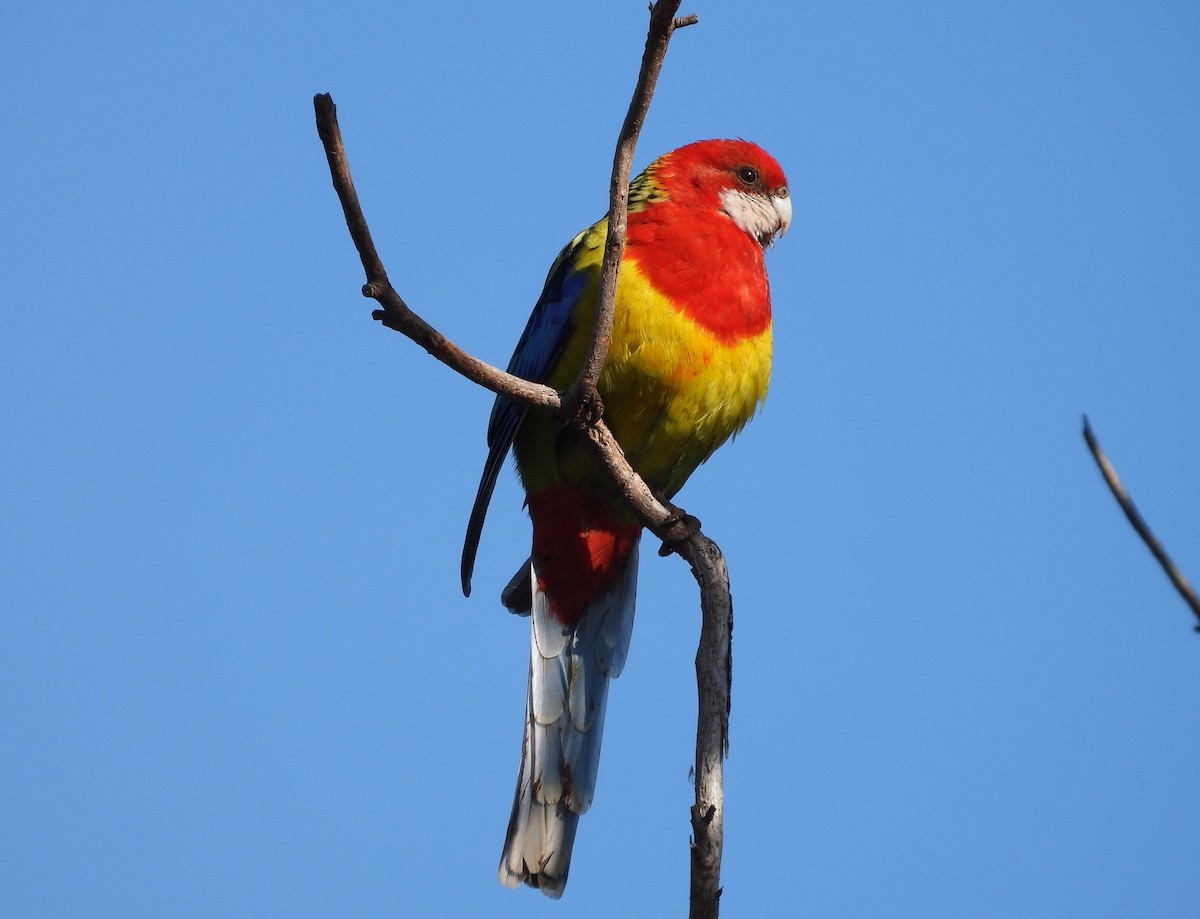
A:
(753, 213)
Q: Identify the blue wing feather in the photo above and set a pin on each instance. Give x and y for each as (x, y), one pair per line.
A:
(546, 334)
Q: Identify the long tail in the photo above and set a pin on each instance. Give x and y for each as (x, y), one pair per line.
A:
(569, 670)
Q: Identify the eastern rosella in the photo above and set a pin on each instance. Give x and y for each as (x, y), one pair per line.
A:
(688, 366)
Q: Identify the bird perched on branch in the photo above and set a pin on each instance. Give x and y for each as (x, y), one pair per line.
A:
(688, 365)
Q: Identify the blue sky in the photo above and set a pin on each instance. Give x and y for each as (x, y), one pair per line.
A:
(237, 676)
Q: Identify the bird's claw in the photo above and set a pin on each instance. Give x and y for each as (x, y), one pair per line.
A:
(589, 409)
(679, 519)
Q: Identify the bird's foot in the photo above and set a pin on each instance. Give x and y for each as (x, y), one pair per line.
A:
(582, 409)
(683, 526)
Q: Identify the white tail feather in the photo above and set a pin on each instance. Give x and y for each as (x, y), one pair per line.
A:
(569, 671)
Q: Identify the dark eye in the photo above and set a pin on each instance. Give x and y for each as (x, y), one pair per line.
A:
(747, 175)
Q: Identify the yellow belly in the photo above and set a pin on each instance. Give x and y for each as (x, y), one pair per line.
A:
(672, 392)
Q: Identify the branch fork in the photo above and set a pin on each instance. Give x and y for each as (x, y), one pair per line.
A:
(580, 406)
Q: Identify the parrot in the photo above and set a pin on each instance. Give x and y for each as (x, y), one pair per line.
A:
(688, 366)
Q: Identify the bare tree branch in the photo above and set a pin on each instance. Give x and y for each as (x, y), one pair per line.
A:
(662, 25)
(395, 313)
(666, 521)
(1139, 525)
(714, 679)
(580, 406)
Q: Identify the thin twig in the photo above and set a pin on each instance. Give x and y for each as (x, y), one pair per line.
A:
(395, 313)
(665, 521)
(1181, 583)
(582, 395)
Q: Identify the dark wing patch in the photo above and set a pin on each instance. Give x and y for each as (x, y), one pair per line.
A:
(546, 334)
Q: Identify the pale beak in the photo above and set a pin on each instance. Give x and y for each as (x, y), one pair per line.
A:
(783, 207)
